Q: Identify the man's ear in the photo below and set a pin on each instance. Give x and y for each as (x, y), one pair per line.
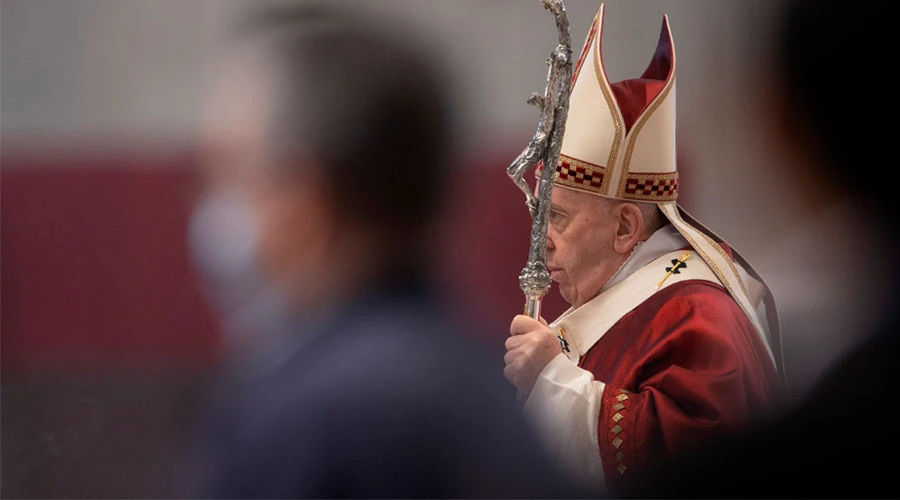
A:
(629, 227)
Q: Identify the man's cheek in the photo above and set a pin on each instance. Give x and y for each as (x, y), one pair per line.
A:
(276, 235)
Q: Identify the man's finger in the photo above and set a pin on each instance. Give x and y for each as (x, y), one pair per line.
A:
(509, 372)
(523, 324)
(515, 342)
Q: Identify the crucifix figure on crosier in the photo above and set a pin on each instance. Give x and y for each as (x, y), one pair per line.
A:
(543, 150)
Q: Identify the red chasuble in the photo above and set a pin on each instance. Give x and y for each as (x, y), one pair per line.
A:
(658, 364)
(683, 368)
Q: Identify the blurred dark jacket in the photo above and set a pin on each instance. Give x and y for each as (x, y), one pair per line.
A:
(383, 398)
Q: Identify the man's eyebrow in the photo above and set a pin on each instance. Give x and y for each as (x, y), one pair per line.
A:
(556, 208)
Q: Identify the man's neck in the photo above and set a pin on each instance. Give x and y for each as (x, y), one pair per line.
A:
(664, 240)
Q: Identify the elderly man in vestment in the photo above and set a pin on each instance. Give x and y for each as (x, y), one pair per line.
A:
(672, 337)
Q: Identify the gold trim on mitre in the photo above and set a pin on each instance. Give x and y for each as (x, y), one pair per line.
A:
(650, 152)
(636, 164)
(592, 115)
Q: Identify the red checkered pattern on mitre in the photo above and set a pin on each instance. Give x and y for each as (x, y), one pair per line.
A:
(619, 140)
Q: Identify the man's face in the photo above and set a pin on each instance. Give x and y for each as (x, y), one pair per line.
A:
(580, 253)
(236, 163)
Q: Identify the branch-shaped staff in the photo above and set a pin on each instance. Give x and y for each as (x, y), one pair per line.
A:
(534, 280)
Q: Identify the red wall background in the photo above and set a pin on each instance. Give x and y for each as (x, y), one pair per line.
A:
(106, 338)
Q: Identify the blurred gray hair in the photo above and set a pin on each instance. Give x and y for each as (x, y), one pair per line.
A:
(369, 101)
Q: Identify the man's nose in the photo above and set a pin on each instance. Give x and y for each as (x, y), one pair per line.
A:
(550, 244)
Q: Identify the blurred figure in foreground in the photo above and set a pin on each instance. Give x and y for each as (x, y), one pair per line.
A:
(326, 148)
(839, 439)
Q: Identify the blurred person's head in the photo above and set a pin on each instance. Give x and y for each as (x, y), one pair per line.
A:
(327, 135)
(823, 111)
(831, 105)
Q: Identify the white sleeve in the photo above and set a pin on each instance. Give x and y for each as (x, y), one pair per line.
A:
(564, 407)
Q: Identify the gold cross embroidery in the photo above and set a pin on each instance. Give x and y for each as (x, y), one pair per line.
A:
(674, 269)
(562, 339)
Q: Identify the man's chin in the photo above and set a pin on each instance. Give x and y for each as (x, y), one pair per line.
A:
(565, 296)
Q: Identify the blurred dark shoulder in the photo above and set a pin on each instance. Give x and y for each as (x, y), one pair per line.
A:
(391, 392)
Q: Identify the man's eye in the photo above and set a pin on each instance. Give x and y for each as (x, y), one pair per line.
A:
(555, 215)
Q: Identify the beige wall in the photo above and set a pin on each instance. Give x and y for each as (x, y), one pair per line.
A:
(123, 72)
(134, 69)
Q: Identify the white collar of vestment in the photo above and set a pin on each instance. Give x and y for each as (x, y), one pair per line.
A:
(664, 240)
(645, 273)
